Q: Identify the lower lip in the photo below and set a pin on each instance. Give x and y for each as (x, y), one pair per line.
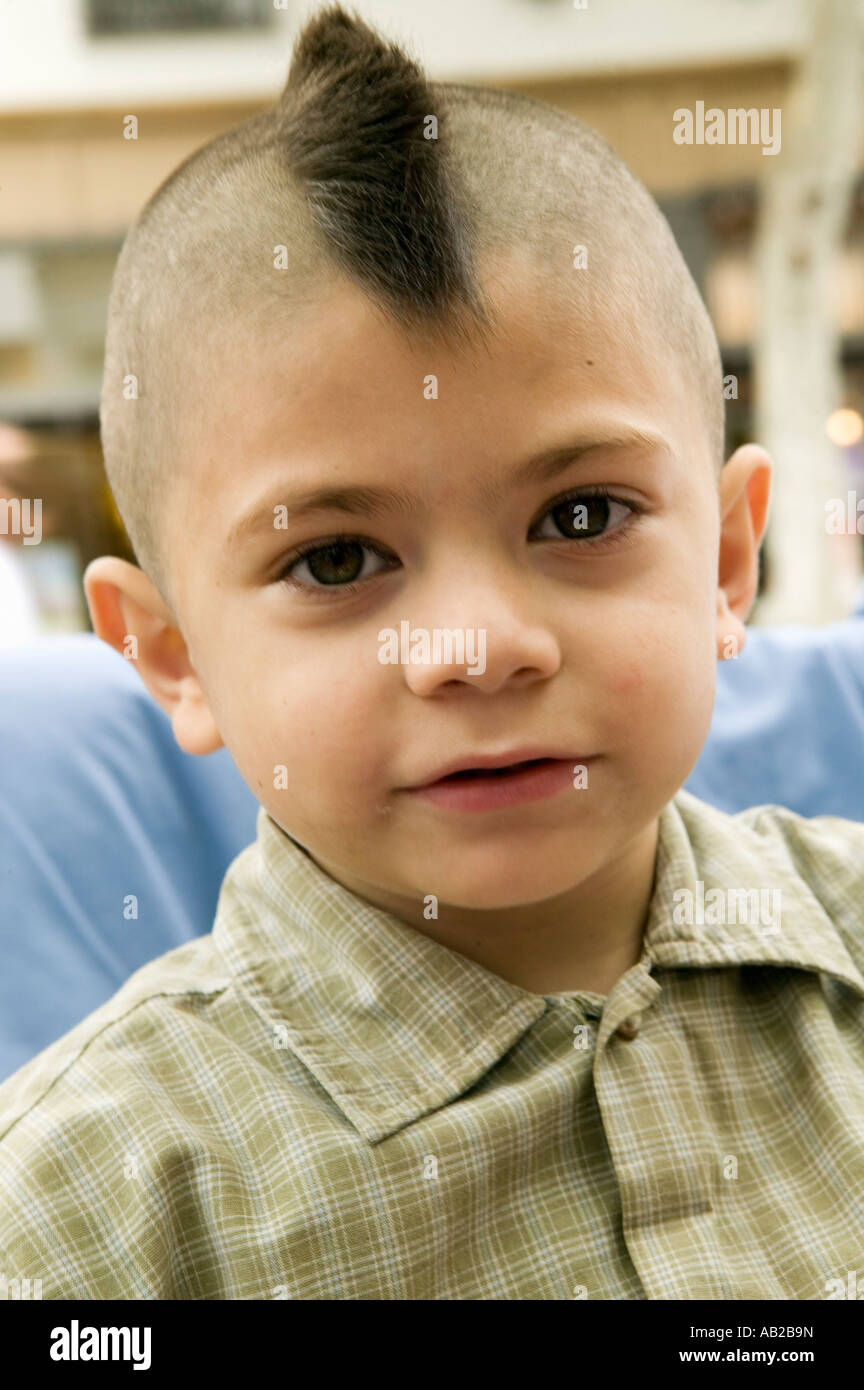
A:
(494, 793)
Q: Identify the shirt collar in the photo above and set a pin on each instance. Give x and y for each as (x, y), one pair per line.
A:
(394, 1025)
(717, 858)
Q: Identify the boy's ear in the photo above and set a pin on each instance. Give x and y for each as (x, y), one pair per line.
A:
(129, 613)
(745, 487)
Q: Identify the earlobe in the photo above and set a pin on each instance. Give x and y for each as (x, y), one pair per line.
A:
(129, 613)
(193, 724)
(731, 631)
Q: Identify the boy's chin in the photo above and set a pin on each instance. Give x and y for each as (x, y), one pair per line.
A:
(510, 885)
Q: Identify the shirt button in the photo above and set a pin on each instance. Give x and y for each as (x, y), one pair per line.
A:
(629, 1028)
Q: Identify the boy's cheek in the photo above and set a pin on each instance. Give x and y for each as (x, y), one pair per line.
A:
(645, 677)
(628, 680)
(668, 688)
(318, 734)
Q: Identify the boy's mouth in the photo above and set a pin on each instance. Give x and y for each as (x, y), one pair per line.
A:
(499, 783)
(512, 764)
(494, 771)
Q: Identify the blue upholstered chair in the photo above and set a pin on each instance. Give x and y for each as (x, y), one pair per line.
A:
(98, 805)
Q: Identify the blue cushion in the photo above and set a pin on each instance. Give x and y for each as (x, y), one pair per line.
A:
(97, 802)
(788, 725)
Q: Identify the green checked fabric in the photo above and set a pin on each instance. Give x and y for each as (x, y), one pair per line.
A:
(316, 1101)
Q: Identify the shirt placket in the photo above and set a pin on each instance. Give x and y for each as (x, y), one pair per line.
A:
(652, 1119)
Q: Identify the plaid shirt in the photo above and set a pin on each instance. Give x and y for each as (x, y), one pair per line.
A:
(317, 1101)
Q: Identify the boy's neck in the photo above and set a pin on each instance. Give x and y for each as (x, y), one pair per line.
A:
(582, 940)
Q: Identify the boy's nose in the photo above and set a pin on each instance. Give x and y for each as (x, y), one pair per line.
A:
(488, 659)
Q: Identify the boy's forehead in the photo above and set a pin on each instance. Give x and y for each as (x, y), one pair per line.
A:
(344, 356)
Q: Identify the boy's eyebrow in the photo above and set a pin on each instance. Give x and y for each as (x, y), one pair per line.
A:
(379, 501)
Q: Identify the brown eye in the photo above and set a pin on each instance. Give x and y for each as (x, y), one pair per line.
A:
(584, 517)
(587, 516)
(340, 563)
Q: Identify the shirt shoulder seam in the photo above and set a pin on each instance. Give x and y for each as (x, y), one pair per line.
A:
(110, 1023)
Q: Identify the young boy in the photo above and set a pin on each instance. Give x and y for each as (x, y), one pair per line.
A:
(414, 416)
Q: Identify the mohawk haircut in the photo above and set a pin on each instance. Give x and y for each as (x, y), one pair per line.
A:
(342, 173)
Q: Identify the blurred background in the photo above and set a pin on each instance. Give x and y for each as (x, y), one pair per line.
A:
(775, 240)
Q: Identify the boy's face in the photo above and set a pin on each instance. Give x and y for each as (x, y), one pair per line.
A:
(600, 644)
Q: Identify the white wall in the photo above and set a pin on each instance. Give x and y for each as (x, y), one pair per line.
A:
(47, 61)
